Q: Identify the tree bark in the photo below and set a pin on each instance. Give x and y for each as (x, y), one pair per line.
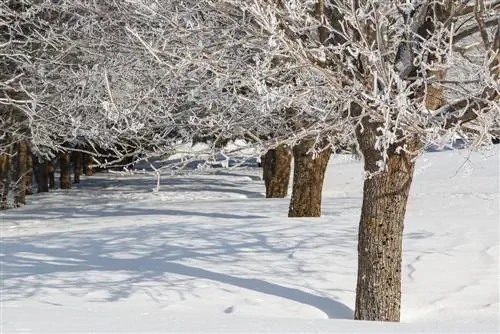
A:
(21, 172)
(42, 175)
(87, 164)
(65, 173)
(51, 169)
(308, 176)
(276, 167)
(77, 158)
(6, 113)
(385, 195)
(28, 179)
(4, 179)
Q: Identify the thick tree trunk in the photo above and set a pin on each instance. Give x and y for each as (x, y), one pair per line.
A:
(308, 176)
(87, 164)
(276, 166)
(65, 171)
(21, 172)
(42, 176)
(385, 194)
(77, 158)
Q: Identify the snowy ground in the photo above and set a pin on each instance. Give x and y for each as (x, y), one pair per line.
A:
(210, 253)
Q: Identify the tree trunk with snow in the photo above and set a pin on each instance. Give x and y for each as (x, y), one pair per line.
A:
(308, 177)
(385, 194)
(21, 172)
(276, 166)
(65, 172)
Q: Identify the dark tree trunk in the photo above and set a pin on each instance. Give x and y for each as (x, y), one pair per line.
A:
(21, 172)
(4, 179)
(87, 164)
(276, 166)
(65, 171)
(77, 158)
(42, 175)
(385, 194)
(51, 169)
(28, 179)
(308, 176)
(6, 114)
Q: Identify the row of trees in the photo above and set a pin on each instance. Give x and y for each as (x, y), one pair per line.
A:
(123, 79)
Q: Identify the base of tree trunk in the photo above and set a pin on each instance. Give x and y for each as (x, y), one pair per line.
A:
(276, 167)
(308, 177)
(77, 158)
(65, 176)
(42, 176)
(4, 179)
(87, 164)
(28, 179)
(21, 172)
(52, 175)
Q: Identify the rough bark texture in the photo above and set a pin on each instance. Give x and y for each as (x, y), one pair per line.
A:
(21, 172)
(42, 175)
(77, 158)
(385, 194)
(65, 171)
(308, 176)
(276, 167)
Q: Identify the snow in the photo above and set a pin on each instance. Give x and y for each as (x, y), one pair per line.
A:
(208, 253)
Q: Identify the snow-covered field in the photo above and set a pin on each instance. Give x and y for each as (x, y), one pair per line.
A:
(209, 253)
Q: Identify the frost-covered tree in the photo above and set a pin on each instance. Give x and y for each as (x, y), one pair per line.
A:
(401, 75)
(137, 77)
(408, 75)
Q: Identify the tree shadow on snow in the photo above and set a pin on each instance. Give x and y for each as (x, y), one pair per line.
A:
(118, 262)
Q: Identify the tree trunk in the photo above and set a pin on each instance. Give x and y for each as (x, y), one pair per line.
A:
(385, 194)
(51, 169)
(42, 175)
(308, 176)
(87, 162)
(21, 172)
(4, 179)
(65, 173)
(276, 171)
(28, 179)
(77, 157)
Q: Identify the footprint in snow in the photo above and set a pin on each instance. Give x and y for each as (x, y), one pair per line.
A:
(229, 310)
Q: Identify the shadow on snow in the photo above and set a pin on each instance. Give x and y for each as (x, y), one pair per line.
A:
(80, 262)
